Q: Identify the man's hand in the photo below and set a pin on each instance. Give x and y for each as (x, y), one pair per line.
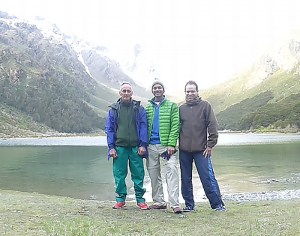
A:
(207, 152)
(141, 151)
(171, 150)
(113, 153)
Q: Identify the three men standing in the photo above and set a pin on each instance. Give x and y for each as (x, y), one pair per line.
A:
(163, 129)
(130, 128)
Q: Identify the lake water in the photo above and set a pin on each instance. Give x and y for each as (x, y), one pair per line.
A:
(78, 166)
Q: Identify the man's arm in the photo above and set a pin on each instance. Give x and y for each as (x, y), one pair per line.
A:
(143, 128)
(111, 134)
(212, 129)
(175, 126)
(143, 142)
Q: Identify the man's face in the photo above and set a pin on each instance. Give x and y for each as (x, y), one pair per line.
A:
(190, 92)
(158, 90)
(126, 93)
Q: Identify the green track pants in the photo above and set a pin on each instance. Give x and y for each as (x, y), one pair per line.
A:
(120, 170)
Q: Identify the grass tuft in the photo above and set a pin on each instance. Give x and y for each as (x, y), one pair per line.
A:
(37, 214)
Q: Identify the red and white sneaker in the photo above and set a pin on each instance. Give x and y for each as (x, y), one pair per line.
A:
(119, 205)
(143, 206)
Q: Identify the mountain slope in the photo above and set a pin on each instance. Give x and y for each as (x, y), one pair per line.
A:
(264, 105)
(42, 77)
(108, 71)
(282, 115)
(231, 117)
(241, 102)
(16, 124)
(277, 70)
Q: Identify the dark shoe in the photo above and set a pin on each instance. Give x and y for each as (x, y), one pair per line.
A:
(157, 207)
(188, 209)
(119, 205)
(220, 209)
(177, 210)
(143, 206)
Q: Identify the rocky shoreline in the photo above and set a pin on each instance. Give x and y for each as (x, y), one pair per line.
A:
(263, 196)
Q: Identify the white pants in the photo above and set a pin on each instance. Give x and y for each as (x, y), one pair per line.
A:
(170, 171)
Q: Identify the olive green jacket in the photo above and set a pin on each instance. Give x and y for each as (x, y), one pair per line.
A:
(169, 124)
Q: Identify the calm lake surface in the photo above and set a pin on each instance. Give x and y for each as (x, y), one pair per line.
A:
(78, 167)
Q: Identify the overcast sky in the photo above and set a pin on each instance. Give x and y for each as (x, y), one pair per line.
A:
(206, 41)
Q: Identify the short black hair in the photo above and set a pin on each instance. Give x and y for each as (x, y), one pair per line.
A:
(191, 82)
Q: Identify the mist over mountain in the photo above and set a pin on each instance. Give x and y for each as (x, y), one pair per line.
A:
(45, 78)
(106, 68)
(53, 83)
(264, 95)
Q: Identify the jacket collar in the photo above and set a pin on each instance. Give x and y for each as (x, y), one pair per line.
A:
(153, 100)
(118, 103)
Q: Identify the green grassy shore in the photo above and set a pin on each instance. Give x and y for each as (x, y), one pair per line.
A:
(36, 214)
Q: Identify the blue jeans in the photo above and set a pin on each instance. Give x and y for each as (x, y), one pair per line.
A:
(207, 177)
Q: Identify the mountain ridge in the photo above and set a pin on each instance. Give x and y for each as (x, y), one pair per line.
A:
(44, 77)
(276, 72)
(64, 85)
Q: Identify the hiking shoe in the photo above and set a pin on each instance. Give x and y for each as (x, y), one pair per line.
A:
(119, 205)
(157, 207)
(188, 209)
(220, 209)
(177, 210)
(143, 206)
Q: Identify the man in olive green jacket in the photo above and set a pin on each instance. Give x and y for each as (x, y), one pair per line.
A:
(163, 132)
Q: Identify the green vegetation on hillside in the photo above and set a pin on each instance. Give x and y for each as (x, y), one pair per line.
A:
(45, 82)
(44, 79)
(281, 84)
(259, 111)
(279, 115)
(256, 108)
(231, 117)
(15, 124)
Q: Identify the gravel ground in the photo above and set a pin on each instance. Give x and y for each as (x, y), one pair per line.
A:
(263, 196)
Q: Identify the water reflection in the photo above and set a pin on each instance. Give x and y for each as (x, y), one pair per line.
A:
(79, 167)
(79, 172)
(226, 139)
(257, 168)
(56, 141)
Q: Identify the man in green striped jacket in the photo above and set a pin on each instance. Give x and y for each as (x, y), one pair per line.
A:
(163, 132)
